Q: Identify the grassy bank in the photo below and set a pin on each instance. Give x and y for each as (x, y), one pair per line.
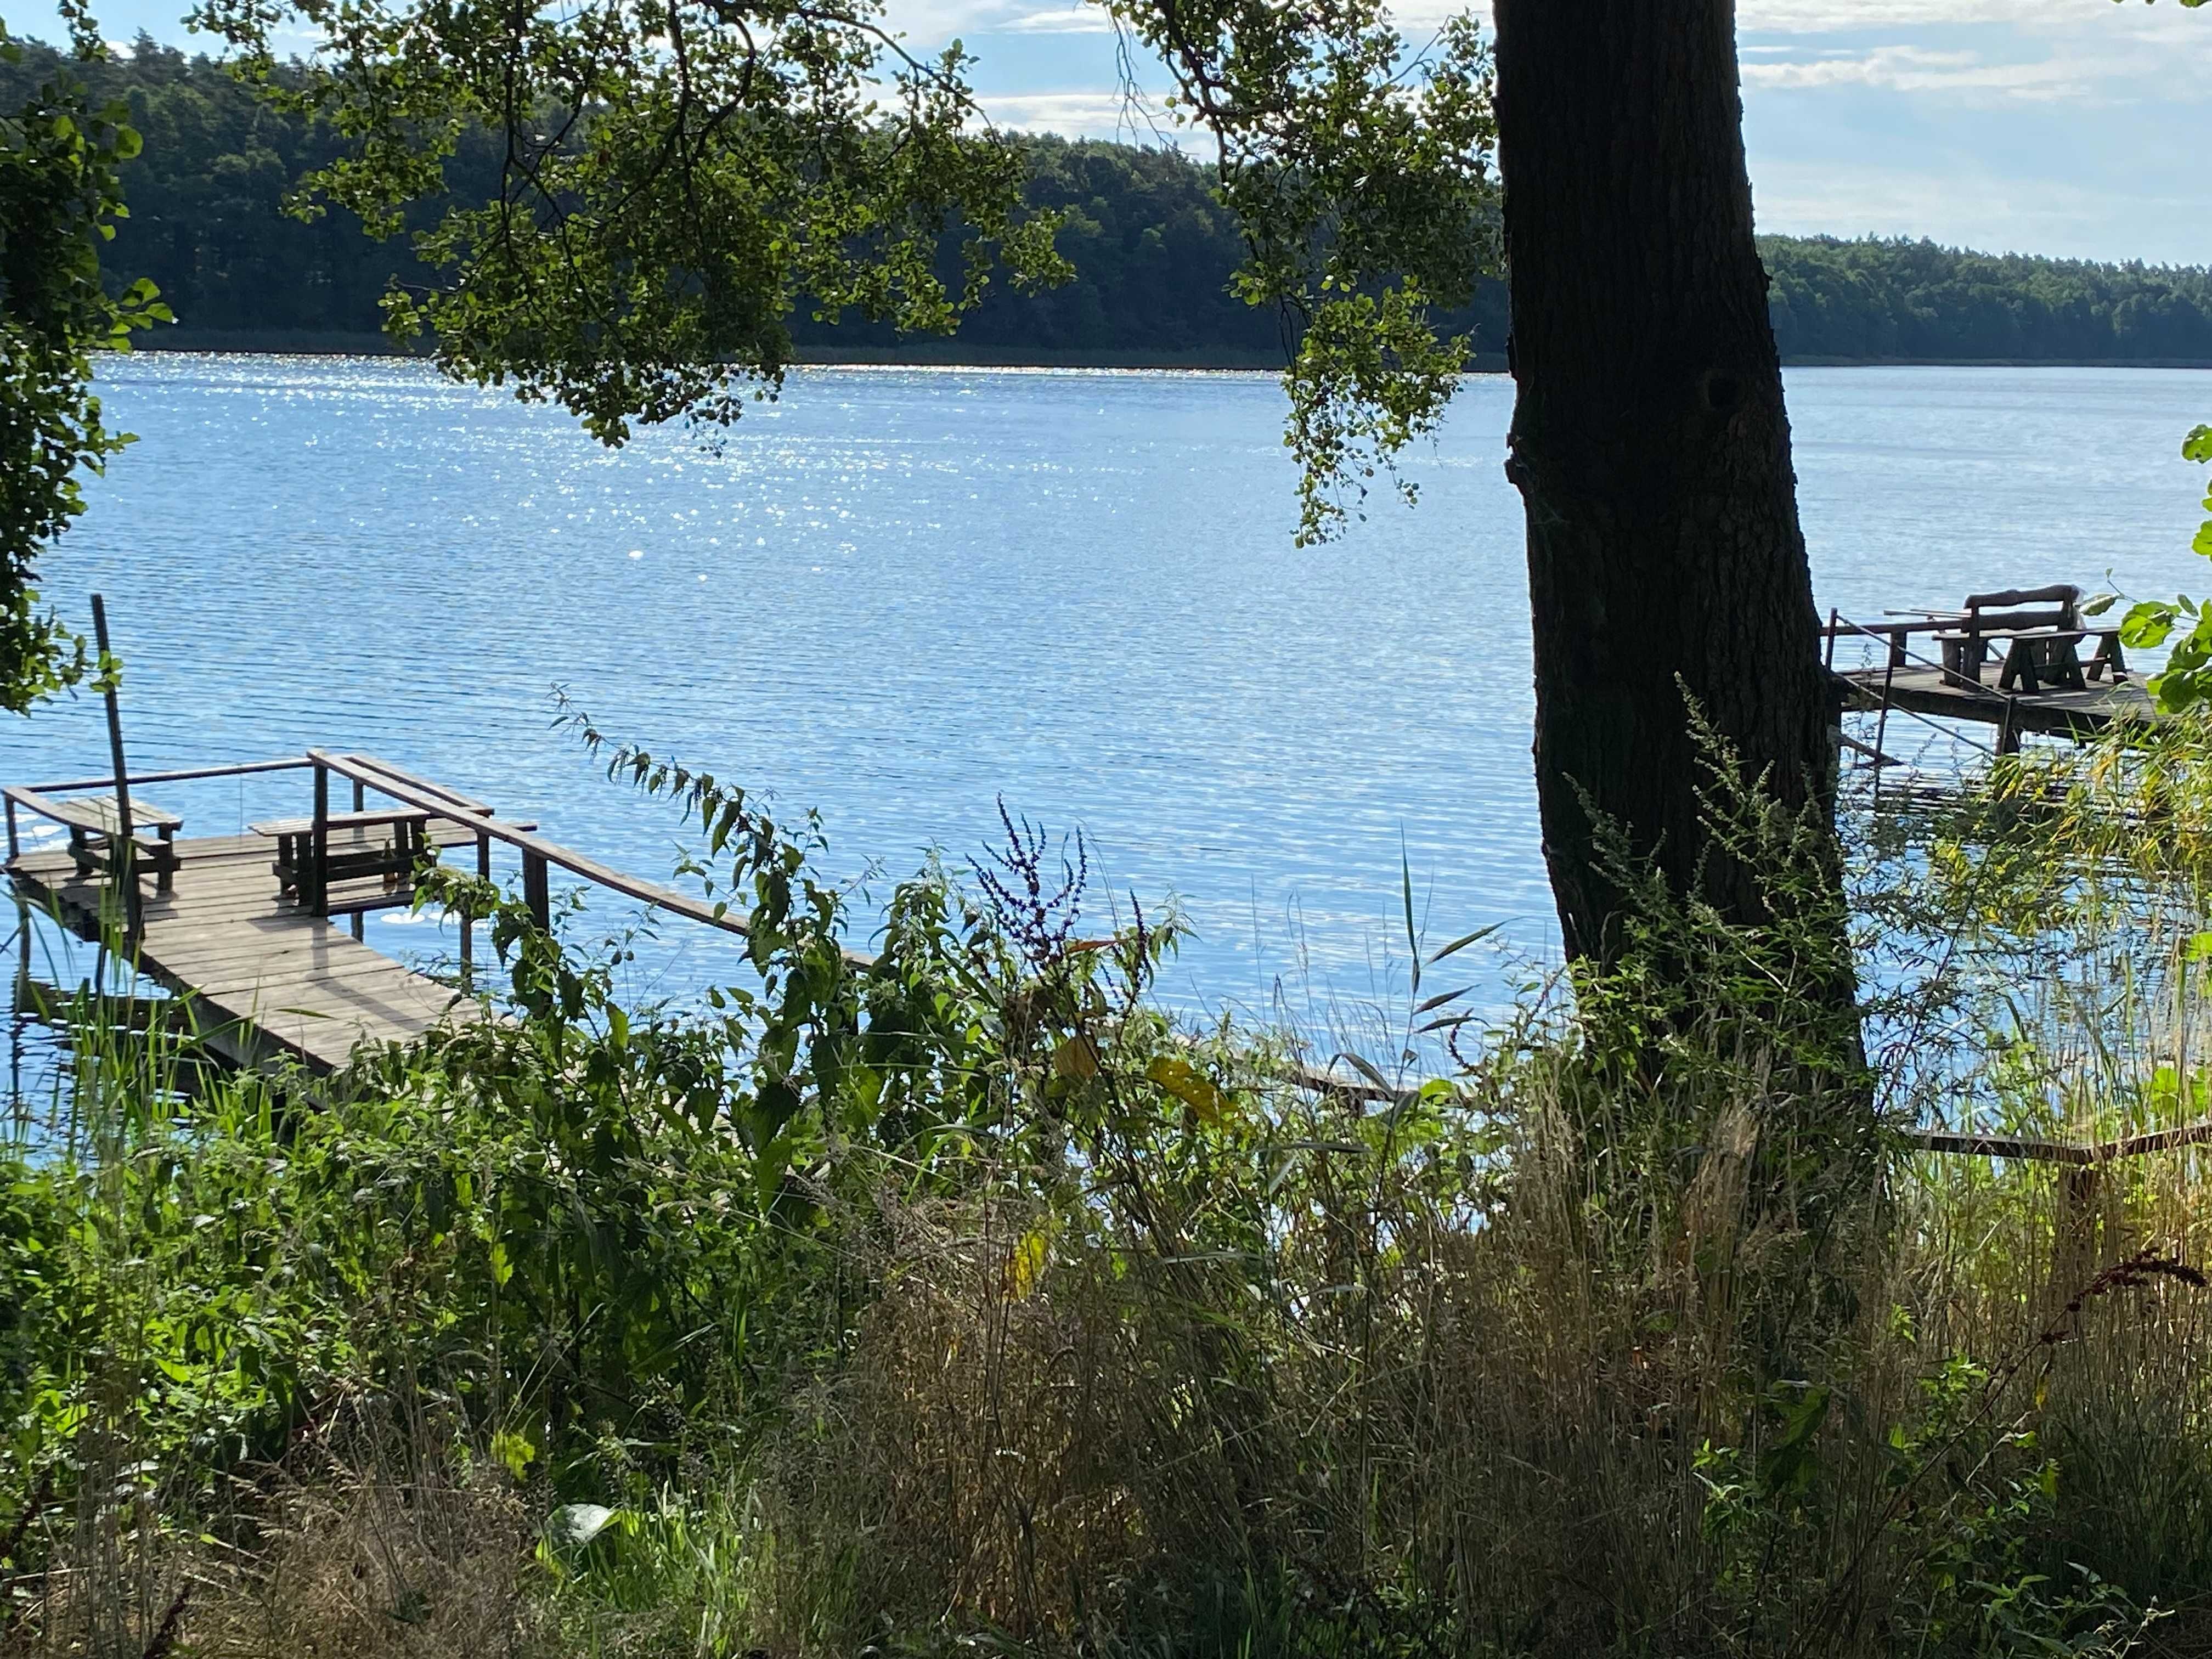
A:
(966, 1303)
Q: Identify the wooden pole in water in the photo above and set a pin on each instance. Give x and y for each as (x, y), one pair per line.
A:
(124, 843)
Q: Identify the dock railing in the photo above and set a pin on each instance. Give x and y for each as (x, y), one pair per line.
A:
(1899, 655)
(538, 855)
(370, 777)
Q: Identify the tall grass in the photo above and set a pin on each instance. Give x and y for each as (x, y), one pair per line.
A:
(965, 1302)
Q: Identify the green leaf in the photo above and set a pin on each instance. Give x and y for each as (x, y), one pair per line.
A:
(1787, 1465)
(2197, 445)
(1076, 1057)
(1406, 887)
(2146, 623)
(513, 1449)
(1463, 941)
(1369, 1071)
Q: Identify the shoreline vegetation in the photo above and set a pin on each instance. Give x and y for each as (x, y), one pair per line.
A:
(1006, 1315)
(1153, 249)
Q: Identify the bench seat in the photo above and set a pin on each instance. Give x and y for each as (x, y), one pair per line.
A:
(95, 822)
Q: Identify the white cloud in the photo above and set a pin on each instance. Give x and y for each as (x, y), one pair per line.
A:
(2043, 16)
(1080, 115)
(1071, 19)
(2005, 67)
(1914, 69)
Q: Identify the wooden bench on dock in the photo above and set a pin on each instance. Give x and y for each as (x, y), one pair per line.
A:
(96, 827)
(2043, 686)
(368, 859)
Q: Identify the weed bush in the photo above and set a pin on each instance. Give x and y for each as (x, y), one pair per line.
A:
(957, 1298)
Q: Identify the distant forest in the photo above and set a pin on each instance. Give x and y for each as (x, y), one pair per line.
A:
(1152, 251)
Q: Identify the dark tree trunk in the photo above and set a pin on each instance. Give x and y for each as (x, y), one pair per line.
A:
(1650, 444)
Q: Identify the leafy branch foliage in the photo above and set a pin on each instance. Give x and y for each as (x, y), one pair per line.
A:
(60, 197)
(675, 177)
(672, 178)
(1359, 169)
(2186, 679)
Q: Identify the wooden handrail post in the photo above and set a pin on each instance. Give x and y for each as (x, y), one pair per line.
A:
(535, 891)
(1881, 727)
(360, 801)
(469, 917)
(319, 896)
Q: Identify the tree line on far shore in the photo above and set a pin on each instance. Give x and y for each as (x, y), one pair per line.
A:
(1152, 253)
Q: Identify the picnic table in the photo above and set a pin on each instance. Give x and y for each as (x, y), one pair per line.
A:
(2041, 647)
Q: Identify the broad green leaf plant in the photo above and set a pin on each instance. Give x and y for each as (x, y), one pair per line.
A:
(2186, 680)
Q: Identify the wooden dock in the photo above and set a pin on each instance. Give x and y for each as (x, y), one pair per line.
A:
(2019, 670)
(240, 928)
(262, 979)
(1920, 688)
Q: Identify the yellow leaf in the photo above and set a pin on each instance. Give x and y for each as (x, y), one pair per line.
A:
(1025, 1265)
(1187, 1084)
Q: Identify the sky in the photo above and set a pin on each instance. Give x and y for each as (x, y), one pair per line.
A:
(2067, 127)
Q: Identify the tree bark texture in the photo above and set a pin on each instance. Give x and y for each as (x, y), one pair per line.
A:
(1650, 443)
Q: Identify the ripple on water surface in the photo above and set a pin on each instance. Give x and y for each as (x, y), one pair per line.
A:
(897, 596)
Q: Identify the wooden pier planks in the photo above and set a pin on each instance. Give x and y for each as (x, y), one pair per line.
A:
(266, 981)
(1924, 690)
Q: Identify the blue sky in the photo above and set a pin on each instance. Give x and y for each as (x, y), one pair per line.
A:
(2047, 126)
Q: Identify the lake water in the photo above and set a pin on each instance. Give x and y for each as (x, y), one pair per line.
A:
(900, 596)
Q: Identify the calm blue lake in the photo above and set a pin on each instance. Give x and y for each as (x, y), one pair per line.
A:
(897, 597)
